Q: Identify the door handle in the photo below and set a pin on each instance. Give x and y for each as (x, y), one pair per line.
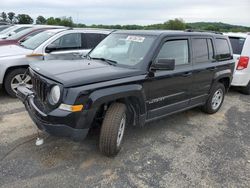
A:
(187, 74)
(212, 68)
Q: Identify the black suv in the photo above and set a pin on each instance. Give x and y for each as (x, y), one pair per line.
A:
(131, 77)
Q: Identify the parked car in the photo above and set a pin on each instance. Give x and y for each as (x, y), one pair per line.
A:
(13, 30)
(4, 23)
(25, 34)
(241, 48)
(153, 74)
(3, 27)
(70, 44)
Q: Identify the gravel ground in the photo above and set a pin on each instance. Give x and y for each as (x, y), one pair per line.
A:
(190, 149)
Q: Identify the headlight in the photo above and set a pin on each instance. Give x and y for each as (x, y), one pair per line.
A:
(54, 95)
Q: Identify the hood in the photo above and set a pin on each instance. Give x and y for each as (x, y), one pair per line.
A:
(7, 42)
(81, 72)
(13, 50)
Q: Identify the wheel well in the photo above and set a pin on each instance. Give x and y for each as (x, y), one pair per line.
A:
(13, 68)
(132, 104)
(225, 82)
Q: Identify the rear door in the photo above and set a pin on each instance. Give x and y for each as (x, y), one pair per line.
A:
(203, 67)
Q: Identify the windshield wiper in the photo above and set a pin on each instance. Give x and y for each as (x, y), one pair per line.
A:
(109, 61)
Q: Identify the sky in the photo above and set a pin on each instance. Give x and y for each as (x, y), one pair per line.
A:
(142, 12)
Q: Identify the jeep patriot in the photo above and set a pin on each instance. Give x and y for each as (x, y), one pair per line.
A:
(131, 77)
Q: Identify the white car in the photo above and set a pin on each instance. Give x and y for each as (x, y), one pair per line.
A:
(54, 44)
(13, 30)
(241, 49)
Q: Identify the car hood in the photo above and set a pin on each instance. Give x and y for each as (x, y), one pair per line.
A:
(13, 50)
(7, 42)
(81, 72)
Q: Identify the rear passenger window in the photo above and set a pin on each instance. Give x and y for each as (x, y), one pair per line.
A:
(175, 49)
(202, 50)
(237, 44)
(223, 49)
(93, 39)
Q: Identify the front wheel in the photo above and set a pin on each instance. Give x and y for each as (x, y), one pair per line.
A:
(215, 99)
(112, 129)
(14, 78)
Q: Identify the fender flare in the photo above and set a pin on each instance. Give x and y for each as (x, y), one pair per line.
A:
(107, 95)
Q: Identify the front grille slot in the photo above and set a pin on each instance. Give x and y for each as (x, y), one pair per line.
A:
(40, 88)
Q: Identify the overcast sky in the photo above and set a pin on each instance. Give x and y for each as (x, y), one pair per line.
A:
(134, 11)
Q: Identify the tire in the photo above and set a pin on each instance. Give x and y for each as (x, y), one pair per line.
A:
(246, 90)
(215, 99)
(112, 129)
(11, 79)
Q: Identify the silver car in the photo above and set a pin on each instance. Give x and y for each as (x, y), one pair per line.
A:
(66, 44)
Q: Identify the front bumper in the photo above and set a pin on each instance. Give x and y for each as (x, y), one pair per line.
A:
(57, 122)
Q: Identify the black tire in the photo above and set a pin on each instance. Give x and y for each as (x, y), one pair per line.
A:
(246, 90)
(8, 79)
(208, 107)
(114, 117)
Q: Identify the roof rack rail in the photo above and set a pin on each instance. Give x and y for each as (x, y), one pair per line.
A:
(205, 31)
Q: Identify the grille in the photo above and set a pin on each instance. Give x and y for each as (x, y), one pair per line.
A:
(40, 88)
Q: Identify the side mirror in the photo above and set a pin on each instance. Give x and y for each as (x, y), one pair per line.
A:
(163, 64)
(50, 48)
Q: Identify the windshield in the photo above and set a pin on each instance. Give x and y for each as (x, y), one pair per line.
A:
(124, 49)
(8, 29)
(20, 34)
(33, 42)
(2, 28)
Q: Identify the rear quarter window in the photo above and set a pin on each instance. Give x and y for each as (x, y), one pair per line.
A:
(223, 49)
(237, 44)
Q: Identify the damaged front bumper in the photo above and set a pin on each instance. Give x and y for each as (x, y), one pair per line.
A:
(57, 122)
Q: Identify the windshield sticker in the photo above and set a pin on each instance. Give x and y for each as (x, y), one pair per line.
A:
(135, 38)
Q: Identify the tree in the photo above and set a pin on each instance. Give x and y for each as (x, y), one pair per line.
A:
(24, 19)
(64, 21)
(51, 21)
(40, 20)
(4, 16)
(11, 16)
(176, 24)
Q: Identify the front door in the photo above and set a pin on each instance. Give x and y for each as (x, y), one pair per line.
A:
(67, 47)
(169, 91)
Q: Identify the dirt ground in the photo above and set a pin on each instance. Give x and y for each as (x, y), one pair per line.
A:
(189, 149)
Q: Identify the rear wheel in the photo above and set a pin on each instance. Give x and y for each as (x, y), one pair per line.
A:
(215, 99)
(112, 129)
(14, 78)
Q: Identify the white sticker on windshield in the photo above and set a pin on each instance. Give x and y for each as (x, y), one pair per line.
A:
(135, 38)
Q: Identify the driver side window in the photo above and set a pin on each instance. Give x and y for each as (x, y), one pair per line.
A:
(68, 41)
(175, 49)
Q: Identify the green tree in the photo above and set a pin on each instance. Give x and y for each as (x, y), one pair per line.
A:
(66, 22)
(4, 16)
(24, 19)
(11, 17)
(176, 24)
(40, 20)
(51, 21)
(211, 28)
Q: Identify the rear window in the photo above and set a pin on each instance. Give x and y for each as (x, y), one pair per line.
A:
(237, 44)
(92, 39)
(202, 50)
(223, 49)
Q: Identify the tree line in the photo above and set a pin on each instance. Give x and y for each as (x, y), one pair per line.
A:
(174, 24)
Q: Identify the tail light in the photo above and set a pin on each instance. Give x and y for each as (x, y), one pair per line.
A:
(243, 63)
